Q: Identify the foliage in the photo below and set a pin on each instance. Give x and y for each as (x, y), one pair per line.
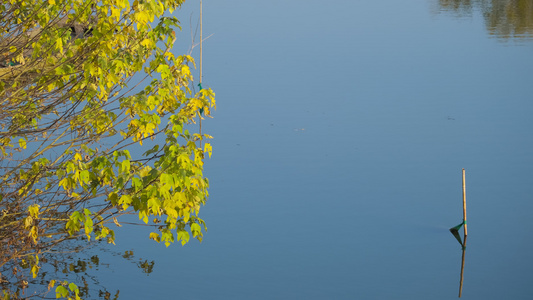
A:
(82, 141)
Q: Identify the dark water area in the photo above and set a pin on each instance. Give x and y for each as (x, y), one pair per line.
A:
(340, 134)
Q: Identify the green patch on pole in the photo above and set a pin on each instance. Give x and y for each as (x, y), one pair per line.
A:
(201, 109)
(455, 232)
(456, 228)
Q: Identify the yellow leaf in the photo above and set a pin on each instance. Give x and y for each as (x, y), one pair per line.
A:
(208, 149)
(115, 12)
(34, 234)
(59, 43)
(51, 284)
(154, 236)
(28, 221)
(116, 222)
(34, 270)
(77, 156)
(147, 43)
(34, 210)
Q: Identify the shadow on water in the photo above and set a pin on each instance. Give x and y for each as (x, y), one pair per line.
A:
(504, 19)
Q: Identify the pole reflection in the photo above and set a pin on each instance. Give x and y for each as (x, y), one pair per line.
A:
(457, 236)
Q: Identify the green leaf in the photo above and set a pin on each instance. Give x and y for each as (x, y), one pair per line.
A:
(73, 287)
(151, 151)
(136, 183)
(112, 197)
(22, 143)
(85, 176)
(61, 292)
(125, 200)
(183, 236)
(126, 166)
(154, 205)
(167, 179)
(196, 227)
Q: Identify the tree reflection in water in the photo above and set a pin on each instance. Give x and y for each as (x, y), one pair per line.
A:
(72, 261)
(503, 18)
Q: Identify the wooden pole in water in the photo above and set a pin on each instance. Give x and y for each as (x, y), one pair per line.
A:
(201, 40)
(464, 203)
(201, 54)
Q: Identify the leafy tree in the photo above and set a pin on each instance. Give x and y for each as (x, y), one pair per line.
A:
(95, 113)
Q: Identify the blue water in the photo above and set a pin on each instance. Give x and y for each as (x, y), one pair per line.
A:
(340, 134)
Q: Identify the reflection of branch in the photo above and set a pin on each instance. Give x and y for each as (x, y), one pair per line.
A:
(194, 45)
(193, 36)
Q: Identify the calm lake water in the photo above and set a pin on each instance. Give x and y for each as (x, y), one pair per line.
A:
(340, 134)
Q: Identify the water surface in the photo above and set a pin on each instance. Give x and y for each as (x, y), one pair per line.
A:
(340, 135)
